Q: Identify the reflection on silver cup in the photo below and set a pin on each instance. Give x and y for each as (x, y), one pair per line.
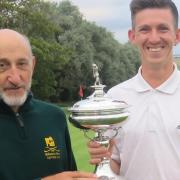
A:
(99, 114)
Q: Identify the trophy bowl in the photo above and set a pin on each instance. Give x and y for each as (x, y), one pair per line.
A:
(98, 111)
(100, 114)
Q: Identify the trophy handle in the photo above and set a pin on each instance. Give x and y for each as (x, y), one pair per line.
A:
(100, 137)
(116, 129)
(85, 134)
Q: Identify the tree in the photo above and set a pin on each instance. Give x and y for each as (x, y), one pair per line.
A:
(65, 46)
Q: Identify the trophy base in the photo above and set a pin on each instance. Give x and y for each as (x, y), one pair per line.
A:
(104, 172)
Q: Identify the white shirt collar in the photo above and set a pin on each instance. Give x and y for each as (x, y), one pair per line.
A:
(169, 86)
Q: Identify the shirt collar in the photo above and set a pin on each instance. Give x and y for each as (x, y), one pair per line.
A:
(5, 108)
(169, 86)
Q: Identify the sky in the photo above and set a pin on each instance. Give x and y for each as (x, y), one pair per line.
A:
(114, 15)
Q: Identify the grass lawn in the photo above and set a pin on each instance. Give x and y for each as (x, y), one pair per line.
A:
(79, 147)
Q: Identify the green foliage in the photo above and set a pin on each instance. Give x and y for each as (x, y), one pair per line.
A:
(43, 89)
(65, 46)
(51, 57)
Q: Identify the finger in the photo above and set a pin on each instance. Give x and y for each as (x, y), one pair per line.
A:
(98, 158)
(101, 155)
(93, 144)
(95, 161)
(97, 151)
(78, 174)
(96, 148)
(85, 178)
(112, 143)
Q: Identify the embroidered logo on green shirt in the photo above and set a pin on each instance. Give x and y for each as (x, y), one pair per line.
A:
(51, 151)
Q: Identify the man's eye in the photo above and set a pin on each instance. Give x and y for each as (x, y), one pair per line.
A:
(143, 30)
(3, 66)
(163, 29)
(22, 64)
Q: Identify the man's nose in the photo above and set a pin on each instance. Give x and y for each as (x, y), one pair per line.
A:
(154, 36)
(14, 76)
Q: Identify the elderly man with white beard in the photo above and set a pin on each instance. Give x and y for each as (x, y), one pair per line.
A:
(35, 142)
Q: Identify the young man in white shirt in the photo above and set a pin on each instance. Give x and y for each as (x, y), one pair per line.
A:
(150, 146)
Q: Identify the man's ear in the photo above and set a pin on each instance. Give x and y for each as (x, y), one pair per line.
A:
(33, 63)
(131, 36)
(177, 40)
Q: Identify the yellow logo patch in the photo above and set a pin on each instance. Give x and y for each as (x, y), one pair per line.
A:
(51, 151)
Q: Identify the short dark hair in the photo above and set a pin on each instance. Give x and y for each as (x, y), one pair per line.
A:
(139, 5)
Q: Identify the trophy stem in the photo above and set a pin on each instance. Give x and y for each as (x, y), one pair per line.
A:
(103, 170)
(104, 141)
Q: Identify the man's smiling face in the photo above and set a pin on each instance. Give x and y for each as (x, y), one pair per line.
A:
(154, 34)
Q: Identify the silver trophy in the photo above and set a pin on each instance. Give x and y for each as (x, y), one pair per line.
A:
(99, 114)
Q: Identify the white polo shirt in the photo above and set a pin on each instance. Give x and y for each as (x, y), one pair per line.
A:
(150, 149)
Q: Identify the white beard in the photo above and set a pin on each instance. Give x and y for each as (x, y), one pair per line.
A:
(14, 100)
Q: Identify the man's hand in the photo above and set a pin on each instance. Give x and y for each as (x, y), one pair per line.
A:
(72, 175)
(98, 152)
